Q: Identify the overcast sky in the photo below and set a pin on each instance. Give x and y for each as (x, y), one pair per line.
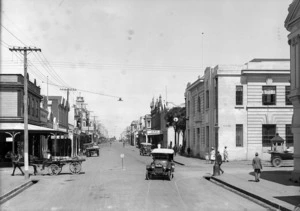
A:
(136, 49)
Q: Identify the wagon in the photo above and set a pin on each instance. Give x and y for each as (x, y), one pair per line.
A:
(278, 154)
(54, 167)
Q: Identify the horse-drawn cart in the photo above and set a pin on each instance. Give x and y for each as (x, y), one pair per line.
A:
(54, 167)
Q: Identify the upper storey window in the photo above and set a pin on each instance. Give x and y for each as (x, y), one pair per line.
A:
(269, 95)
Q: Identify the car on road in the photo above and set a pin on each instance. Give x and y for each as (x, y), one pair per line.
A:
(92, 149)
(145, 149)
(162, 164)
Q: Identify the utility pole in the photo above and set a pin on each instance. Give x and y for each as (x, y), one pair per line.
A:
(25, 50)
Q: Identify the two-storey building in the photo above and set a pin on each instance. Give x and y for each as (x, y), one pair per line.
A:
(241, 107)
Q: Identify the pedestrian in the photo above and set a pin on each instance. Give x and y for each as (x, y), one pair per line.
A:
(225, 154)
(16, 159)
(175, 149)
(219, 161)
(212, 155)
(47, 159)
(188, 150)
(256, 163)
(180, 148)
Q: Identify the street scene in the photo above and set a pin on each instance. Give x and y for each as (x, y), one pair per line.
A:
(149, 105)
(106, 184)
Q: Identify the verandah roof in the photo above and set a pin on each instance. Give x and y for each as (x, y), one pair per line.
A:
(19, 127)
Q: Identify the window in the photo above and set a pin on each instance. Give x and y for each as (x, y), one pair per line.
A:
(148, 124)
(269, 95)
(268, 132)
(287, 92)
(198, 135)
(207, 99)
(239, 135)
(199, 104)
(289, 136)
(239, 95)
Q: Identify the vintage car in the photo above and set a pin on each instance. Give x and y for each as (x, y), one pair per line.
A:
(162, 164)
(92, 149)
(278, 152)
(145, 149)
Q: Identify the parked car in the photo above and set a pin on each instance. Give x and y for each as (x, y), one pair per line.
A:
(162, 164)
(92, 149)
(145, 149)
(278, 153)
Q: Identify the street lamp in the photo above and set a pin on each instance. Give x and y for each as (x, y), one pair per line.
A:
(175, 119)
(216, 168)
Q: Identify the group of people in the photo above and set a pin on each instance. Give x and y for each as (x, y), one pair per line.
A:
(256, 162)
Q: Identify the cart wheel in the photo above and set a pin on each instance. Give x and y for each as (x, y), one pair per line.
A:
(53, 169)
(277, 162)
(75, 167)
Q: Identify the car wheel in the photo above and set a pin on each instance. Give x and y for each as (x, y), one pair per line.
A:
(277, 162)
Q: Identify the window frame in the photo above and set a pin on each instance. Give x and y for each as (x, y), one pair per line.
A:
(239, 95)
(269, 99)
(239, 133)
(287, 92)
(266, 138)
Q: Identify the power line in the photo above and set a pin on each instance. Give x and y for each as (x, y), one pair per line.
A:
(98, 93)
(13, 35)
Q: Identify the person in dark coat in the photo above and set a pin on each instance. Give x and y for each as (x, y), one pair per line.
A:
(16, 159)
(256, 163)
(219, 161)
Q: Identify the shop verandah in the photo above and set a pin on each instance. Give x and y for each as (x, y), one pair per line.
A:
(40, 139)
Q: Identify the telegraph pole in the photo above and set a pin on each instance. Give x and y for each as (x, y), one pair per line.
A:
(25, 51)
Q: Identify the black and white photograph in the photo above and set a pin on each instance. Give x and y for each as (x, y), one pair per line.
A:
(149, 105)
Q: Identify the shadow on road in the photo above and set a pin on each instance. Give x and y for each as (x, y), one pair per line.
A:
(281, 177)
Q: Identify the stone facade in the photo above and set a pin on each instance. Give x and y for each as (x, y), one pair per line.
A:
(226, 107)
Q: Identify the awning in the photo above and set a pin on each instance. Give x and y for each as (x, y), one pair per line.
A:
(19, 127)
(153, 132)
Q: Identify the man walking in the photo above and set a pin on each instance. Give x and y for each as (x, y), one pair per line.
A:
(219, 161)
(256, 163)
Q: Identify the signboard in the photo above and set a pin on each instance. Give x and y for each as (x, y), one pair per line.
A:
(154, 132)
(122, 156)
(8, 139)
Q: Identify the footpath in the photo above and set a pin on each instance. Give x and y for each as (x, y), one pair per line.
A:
(274, 187)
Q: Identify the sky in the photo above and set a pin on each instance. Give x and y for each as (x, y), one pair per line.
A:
(135, 49)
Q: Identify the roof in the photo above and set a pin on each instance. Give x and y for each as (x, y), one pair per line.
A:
(18, 127)
(163, 151)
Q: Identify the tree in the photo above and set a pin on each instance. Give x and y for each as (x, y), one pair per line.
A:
(180, 113)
